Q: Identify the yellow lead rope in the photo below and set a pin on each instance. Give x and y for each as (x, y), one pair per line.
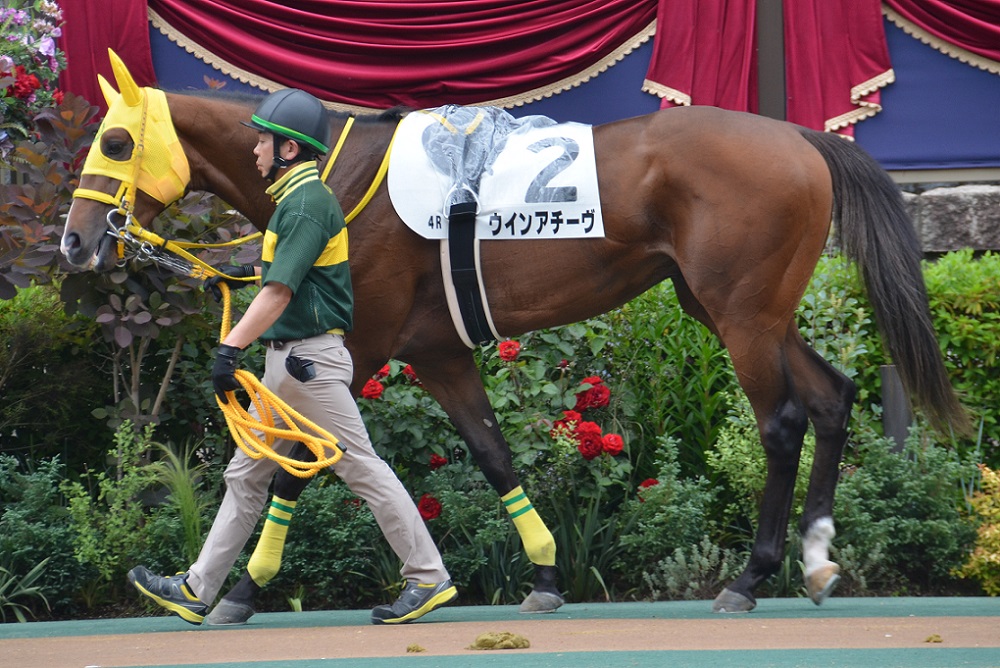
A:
(246, 429)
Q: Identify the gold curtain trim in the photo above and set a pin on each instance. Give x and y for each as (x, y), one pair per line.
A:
(944, 47)
(666, 92)
(268, 85)
(865, 109)
(227, 68)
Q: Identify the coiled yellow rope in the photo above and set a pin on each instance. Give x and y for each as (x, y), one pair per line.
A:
(246, 429)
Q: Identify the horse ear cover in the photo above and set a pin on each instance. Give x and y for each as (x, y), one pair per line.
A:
(163, 169)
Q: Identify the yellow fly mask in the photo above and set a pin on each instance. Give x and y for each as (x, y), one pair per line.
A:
(157, 165)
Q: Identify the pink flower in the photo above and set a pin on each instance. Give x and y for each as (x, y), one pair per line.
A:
(613, 444)
(372, 389)
(509, 350)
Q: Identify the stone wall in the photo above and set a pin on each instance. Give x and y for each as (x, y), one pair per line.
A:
(954, 217)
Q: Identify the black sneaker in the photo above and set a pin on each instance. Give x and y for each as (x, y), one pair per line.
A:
(414, 602)
(172, 593)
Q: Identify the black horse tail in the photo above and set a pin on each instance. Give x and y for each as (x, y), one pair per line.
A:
(874, 231)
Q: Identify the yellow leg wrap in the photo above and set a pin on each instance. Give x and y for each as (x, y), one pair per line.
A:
(537, 539)
(265, 562)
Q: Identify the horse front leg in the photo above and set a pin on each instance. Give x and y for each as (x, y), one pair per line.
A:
(457, 386)
(236, 607)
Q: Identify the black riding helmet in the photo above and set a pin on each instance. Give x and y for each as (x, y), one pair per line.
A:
(293, 114)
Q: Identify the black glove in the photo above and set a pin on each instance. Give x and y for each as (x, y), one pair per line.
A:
(224, 371)
(231, 271)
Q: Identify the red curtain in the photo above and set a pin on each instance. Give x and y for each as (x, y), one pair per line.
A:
(836, 58)
(89, 29)
(425, 53)
(972, 25)
(704, 54)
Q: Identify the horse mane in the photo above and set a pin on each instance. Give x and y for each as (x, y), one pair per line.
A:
(393, 114)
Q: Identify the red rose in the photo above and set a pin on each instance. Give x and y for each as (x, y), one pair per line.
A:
(589, 445)
(645, 484)
(596, 396)
(57, 96)
(437, 461)
(383, 372)
(410, 373)
(372, 389)
(429, 507)
(509, 350)
(25, 84)
(566, 424)
(613, 444)
(588, 429)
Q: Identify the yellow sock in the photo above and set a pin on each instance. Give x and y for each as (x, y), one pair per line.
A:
(265, 562)
(535, 536)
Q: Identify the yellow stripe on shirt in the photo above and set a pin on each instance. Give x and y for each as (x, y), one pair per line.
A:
(335, 251)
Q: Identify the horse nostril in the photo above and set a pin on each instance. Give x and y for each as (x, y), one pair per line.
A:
(71, 241)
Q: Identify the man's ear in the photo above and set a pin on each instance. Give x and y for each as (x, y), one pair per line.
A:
(290, 149)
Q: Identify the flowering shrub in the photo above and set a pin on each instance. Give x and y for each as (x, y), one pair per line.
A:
(984, 562)
(30, 63)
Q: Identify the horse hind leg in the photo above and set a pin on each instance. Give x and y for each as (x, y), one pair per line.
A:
(766, 377)
(782, 422)
(828, 396)
(457, 386)
(236, 607)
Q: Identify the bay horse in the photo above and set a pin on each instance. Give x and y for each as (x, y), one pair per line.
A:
(733, 208)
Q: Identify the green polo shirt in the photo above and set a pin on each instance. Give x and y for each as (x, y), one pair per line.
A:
(305, 249)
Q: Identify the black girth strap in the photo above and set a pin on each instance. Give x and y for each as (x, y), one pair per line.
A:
(461, 251)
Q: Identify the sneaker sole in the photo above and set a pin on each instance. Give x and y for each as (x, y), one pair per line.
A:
(186, 614)
(436, 601)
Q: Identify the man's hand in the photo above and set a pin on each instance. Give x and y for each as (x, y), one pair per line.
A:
(231, 272)
(224, 371)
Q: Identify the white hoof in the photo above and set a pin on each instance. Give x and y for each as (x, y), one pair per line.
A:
(541, 602)
(821, 581)
(730, 602)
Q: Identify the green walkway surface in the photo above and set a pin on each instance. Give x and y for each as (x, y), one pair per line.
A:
(982, 651)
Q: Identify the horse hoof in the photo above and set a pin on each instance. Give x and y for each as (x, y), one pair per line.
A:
(730, 602)
(227, 613)
(821, 581)
(541, 602)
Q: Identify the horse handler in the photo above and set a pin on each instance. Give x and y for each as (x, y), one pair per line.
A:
(301, 313)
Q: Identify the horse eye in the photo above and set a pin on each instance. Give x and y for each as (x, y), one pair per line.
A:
(115, 149)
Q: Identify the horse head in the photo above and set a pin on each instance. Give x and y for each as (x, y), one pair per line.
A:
(135, 168)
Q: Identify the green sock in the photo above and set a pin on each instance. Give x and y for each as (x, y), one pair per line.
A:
(535, 536)
(266, 559)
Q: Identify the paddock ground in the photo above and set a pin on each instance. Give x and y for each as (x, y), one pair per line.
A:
(780, 633)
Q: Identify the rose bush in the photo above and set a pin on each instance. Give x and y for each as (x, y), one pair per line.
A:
(30, 63)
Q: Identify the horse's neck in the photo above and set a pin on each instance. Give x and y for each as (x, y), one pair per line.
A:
(355, 168)
(220, 153)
